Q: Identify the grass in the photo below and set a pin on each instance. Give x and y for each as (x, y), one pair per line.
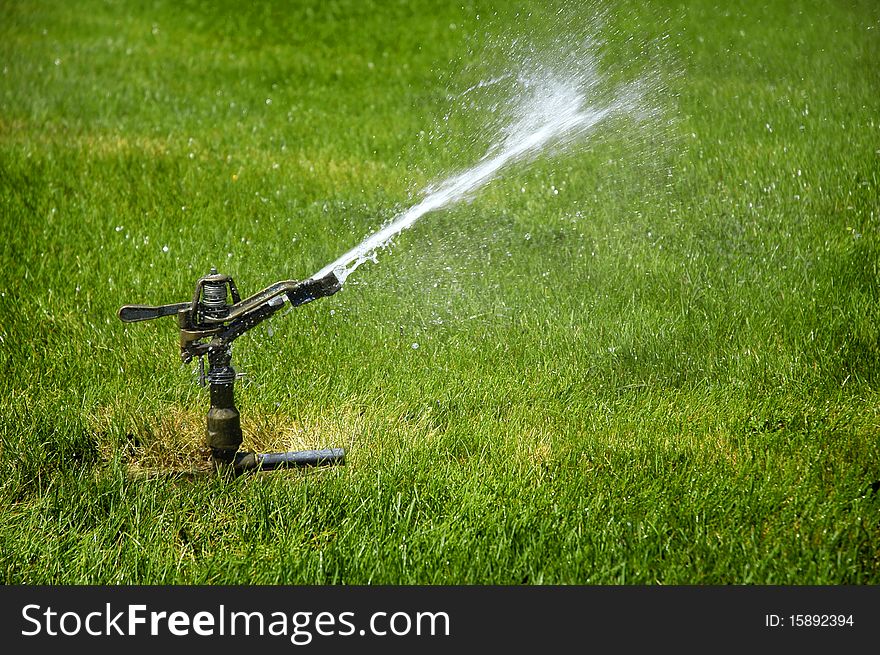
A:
(665, 373)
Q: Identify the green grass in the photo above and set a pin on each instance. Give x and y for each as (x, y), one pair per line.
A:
(673, 379)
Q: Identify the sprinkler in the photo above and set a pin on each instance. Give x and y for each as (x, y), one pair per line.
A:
(208, 325)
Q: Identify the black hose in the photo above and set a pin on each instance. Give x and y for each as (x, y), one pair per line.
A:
(292, 459)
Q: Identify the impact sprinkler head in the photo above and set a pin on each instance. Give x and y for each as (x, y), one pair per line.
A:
(208, 324)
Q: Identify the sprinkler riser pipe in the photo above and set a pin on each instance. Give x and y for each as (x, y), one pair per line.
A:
(224, 434)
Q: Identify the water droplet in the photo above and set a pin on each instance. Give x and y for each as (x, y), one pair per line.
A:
(164, 248)
(415, 346)
(119, 228)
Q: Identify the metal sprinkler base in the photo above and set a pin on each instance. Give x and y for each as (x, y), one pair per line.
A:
(208, 326)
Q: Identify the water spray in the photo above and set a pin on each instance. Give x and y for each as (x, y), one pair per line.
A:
(208, 324)
(552, 113)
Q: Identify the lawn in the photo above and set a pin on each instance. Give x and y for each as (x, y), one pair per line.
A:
(652, 358)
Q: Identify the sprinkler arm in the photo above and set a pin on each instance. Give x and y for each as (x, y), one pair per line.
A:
(134, 313)
(247, 313)
(298, 293)
(236, 319)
